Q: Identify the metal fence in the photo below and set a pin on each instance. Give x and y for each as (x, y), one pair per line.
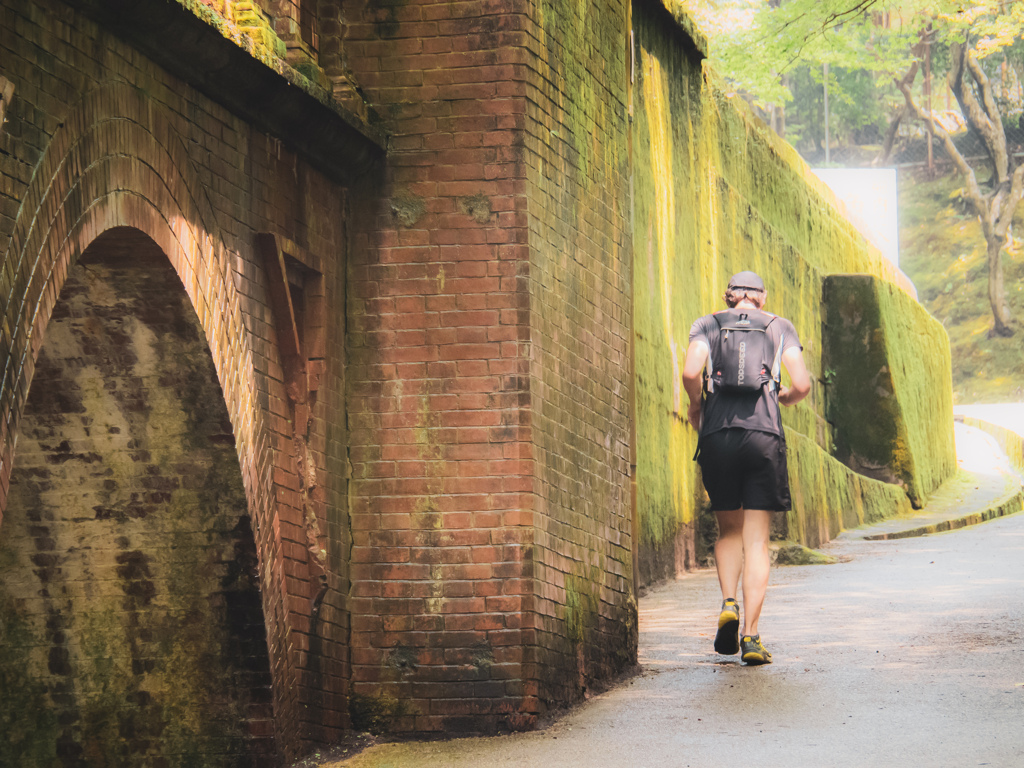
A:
(910, 150)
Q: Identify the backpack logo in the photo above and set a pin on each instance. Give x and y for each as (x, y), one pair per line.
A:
(742, 358)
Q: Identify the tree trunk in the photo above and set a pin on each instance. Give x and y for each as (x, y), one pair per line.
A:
(890, 134)
(890, 138)
(996, 290)
(995, 210)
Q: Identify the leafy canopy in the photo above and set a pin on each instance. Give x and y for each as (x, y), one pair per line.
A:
(755, 42)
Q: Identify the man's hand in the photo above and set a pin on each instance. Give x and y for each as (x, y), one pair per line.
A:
(800, 379)
(693, 414)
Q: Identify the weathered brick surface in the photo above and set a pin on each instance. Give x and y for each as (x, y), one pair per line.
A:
(489, 346)
(580, 299)
(98, 137)
(477, 385)
(442, 468)
(130, 618)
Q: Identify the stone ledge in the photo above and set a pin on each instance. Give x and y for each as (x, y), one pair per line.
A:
(271, 95)
(1010, 504)
(688, 27)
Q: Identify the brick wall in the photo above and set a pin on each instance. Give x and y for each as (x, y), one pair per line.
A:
(473, 300)
(441, 466)
(489, 366)
(99, 137)
(580, 303)
(131, 628)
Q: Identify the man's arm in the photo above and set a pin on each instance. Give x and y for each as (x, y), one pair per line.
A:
(693, 379)
(800, 380)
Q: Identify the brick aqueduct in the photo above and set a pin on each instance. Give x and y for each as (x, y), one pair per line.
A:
(318, 390)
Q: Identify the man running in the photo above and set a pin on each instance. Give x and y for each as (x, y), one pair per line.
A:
(742, 446)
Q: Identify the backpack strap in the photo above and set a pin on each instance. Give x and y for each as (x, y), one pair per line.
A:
(776, 371)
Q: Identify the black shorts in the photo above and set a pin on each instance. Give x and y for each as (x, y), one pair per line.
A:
(745, 468)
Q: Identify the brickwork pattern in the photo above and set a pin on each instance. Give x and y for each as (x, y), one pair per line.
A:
(505, 608)
(97, 137)
(442, 485)
(130, 617)
(482, 409)
(580, 298)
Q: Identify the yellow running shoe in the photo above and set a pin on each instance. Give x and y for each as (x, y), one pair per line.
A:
(727, 641)
(754, 652)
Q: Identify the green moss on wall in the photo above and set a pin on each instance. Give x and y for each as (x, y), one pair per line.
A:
(578, 279)
(715, 192)
(890, 396)
(131, 624)
(829, 497)
(33, 737)
(375, 713)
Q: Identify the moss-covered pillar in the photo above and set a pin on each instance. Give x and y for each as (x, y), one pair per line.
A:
(886, 365)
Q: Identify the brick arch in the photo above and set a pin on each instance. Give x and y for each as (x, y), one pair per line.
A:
(117, 160)
(131, 622)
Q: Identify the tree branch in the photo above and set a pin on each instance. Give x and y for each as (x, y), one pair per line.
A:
(985, 85)
(980, 118)
(974, 193)
(890, 133)
(834, 19)
(1016, 194)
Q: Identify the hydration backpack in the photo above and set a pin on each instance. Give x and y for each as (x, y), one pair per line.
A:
(742, 362)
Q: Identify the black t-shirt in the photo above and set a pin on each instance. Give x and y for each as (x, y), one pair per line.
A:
(759, 410)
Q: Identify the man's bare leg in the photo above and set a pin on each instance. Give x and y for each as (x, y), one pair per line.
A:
(729, 558)
(755, 532)
(729, 551)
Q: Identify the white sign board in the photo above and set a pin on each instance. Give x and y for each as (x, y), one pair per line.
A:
(868, 197)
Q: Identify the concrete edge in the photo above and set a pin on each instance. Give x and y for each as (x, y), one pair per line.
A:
(1011, 504)
(1010, 441)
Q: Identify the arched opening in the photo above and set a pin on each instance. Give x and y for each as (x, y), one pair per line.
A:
(131, 625)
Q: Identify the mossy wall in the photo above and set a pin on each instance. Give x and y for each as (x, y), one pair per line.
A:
(889, 387)
(131, 626)
(716, 192)
(828, 496)
(576, 165)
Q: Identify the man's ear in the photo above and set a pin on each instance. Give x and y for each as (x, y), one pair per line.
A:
(764, 299)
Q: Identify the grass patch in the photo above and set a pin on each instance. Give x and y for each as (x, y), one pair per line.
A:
(942, 250)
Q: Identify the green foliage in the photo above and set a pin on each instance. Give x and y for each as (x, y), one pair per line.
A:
(858, 108)
(798, 33)
(943, 252)
(866, 43)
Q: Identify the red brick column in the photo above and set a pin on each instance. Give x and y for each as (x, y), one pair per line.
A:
(442, 486)
(489, 322)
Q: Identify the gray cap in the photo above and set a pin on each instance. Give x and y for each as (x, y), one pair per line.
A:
(748, 280)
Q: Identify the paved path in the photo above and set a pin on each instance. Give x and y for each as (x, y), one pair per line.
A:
(1008, 415)
(907, 652)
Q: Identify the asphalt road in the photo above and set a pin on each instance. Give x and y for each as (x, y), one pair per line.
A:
(909, 653)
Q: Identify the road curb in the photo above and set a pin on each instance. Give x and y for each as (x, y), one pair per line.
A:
(1010, 504)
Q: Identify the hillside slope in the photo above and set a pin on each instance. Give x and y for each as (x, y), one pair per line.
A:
(943, 252)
